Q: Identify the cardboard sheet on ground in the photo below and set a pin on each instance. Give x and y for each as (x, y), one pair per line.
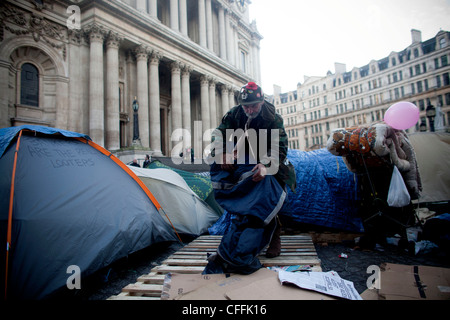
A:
(325, 282)
(403, 282)
(260, 285)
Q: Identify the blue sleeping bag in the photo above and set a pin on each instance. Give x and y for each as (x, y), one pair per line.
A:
(253, 206)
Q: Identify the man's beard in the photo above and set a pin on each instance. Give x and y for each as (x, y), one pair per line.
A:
(253, 115)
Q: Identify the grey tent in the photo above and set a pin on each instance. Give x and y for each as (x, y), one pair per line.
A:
(67, 204)
(182, 207)
(433, 157)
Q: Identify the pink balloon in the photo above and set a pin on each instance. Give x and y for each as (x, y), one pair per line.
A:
(402, 115)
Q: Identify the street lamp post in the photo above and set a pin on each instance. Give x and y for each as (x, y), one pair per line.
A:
(431, 113)
(136, 121)
(423, 126)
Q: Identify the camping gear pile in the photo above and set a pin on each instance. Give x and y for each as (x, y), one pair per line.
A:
(377, 145)
(375, 153)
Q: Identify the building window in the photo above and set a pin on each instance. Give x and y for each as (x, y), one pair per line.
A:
(29, 85)
(446, 79)
(447, 98)
(442, 43)
(419, 87)
(417, 66)
(444, 60)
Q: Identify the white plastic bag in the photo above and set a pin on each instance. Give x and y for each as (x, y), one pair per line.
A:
(398, 195)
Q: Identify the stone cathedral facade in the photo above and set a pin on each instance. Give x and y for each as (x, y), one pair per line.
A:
(79, 65)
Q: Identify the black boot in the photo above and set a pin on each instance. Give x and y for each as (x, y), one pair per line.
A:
(274, 248)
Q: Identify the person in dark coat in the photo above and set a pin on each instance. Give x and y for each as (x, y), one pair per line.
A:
(146, 161)
(250, 181)
(135, 163)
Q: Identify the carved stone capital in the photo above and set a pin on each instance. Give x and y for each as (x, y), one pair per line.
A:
(113, 40)
(175, 66)
(141, 52)
(204, 80)
(224, 89)
(186, 70)
(155, 57)
(96, 32)
(212, 82)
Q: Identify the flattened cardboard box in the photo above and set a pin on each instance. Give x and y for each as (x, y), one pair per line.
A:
(411, 282)
(260, 285)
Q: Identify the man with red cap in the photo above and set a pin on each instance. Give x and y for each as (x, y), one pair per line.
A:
(250, 181)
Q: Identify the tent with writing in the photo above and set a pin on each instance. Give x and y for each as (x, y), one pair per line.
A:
(187, 212)
(67, 204)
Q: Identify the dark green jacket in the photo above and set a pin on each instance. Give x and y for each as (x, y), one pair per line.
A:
(267, 119)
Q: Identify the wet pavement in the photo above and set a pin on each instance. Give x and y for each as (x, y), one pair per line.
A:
(354, 267)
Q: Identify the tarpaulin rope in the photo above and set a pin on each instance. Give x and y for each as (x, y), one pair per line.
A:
(10, 211)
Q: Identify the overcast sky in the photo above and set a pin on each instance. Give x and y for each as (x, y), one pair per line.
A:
(306, 37)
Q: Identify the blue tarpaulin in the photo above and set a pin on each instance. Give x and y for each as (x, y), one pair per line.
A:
(327, 192)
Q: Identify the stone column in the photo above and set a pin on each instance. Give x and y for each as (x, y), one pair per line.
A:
(204, 103)
(209, 25)
(96, 91)
(155, 124)
(174, 15)
(186, 103)
(212, 104)
(131, 93)
(112, 92)
(177, 122)
(230, 36)
(153, 8)
(140, 5)
(231, 101)
(257, 62)
(4, 97)
(222, 34)
(62, 103)
(183, 18)
(75, 91)
(202, 22)
(142, 94)
(234, 44)
(84, 79)
(225, 100)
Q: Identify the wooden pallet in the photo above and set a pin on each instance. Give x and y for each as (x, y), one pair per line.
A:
(191, 259)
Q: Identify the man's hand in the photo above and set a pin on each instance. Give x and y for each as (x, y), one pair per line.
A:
(228, 162)
(260, 172)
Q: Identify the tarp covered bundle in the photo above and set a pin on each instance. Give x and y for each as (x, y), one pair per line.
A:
(326, 193)
(67, 204)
